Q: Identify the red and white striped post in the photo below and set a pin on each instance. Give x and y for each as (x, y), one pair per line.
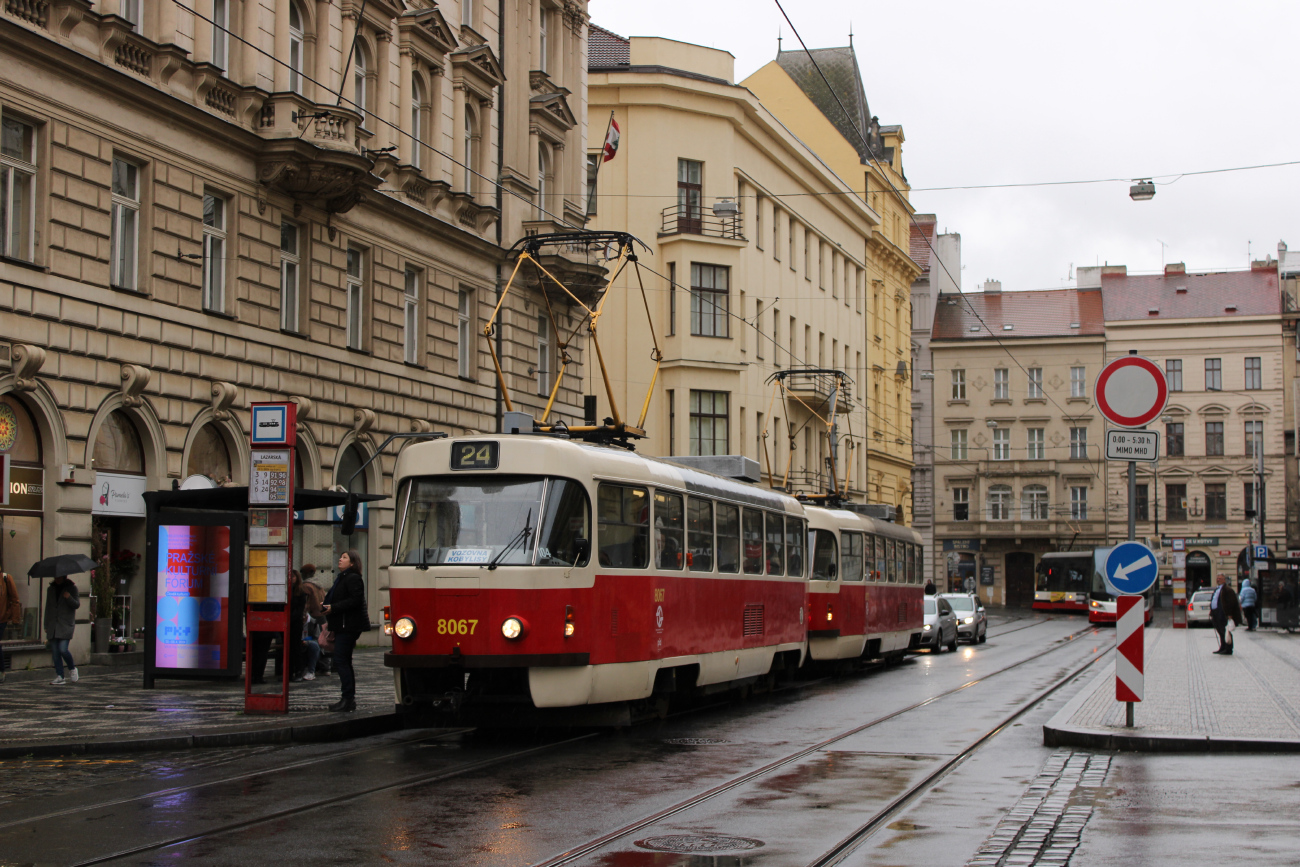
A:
(1130, 642)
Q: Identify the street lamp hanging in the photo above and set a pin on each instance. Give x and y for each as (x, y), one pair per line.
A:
(1142, 190)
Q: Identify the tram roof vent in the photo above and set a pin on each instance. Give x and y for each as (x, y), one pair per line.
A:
(516, 422)
(737, 467)
(880, 511)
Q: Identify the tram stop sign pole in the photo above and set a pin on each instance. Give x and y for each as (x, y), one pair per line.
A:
(1131, 392)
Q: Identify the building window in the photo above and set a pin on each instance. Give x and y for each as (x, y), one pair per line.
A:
(961, 504)
(593, 171)
(1001, 384)
(131, 12)
(959, 384)
(543, 37)
(1035, 444)
(758, 330)
(290, 261)
(296, 40)
(220, 33)
(1174, 439)
(1035, 382)
(1078, 382)
(958, 444)
(359, 95)
(124, 241)
(709, 300)
(356, 297)
(543, 170)
(709, 422)
(758, 220)
(419, 128)
(1001, 444)
(544, 354)
(1078, 502)
(411, 316)
(672, 421)
(471, 149)
(1214, 437)
(1250, 500)
(1033, 503)
(807, 259)
(1254, 439)
(1214, 374)
(464, 337)
(17, 185)
(466, 13)
(791, 224)
(1141, 507)
(1216, 502)
(1174, 373)
(690, 196)
(1175, 502)
(1000, 503)
(776, 234)
(1254, 375)
(214, 253)
(1078, 443)
(672, 298)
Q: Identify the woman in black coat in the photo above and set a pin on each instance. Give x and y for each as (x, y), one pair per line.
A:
(345, 611)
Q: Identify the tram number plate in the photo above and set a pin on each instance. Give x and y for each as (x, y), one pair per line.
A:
(475, 456)
(457, 627)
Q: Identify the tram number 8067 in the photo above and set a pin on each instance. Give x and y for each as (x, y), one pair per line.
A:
(457, 627)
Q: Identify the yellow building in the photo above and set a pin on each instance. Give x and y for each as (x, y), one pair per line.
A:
(756, 271)
(841, 130)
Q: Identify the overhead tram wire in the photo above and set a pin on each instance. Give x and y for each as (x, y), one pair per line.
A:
(910, 216)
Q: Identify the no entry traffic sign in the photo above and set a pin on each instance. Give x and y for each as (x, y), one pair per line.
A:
(1131, 391)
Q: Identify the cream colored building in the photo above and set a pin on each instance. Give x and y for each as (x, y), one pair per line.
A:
(222, 202)
(1018, 467)
(1218, 337)
(840, 128)
(754, 270)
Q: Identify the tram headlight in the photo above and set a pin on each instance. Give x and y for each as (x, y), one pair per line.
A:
(514, 628)
(404, 627)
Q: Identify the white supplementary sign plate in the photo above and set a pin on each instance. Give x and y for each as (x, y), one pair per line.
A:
(1132, 445)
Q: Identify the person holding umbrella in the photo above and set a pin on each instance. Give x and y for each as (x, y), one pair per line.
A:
(61, 603)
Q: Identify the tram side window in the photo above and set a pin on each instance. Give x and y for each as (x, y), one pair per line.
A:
(909, 562)
(624, 516)
(699, 535)
(851, 558)
(825, 556)
(775, 544)
(900, 562)
(566, 523)
(795, 537)
(728, 538)
(751, 530)
(918, 569)
(669, 531)
(891, 575)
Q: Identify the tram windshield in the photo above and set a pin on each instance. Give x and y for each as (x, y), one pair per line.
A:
(494, 520)
(1065, 574)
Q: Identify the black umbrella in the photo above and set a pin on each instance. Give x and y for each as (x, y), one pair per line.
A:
(63, 564)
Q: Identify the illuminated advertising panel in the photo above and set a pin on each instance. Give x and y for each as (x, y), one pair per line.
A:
(193, 585)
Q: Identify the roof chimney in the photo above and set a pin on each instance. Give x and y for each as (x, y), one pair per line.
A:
(992, 287)
(1175, 268)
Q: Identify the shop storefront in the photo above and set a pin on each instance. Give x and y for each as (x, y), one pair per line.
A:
(118, 526)
(22, 520)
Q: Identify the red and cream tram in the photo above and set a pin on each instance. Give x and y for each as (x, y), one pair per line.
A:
(536, 571)
(864, 590)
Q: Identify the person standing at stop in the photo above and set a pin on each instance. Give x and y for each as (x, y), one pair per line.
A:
(345, 611)
(1224, 607)
(1248, 602)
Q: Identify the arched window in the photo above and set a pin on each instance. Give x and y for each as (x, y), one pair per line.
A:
(543, 169)
(471, 148)
(359, 94)
(117, 446)
(209, 455)
(1000, 503)
(418, 130)
(346, 467)
(19, 438)
(1033, 503)
(295, 48)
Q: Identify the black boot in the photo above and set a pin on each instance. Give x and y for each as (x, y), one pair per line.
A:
(344, 705)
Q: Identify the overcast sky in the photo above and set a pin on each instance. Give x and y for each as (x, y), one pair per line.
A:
(1015, 92)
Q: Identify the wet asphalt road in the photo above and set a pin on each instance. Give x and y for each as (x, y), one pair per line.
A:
(465, 798)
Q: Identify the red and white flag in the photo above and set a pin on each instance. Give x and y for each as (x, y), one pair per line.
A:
(611, 140)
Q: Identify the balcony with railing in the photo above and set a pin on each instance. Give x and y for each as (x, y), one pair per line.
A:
(720, 220)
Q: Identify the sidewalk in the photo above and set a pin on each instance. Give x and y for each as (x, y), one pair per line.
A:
(108, 711)
(1195, 700)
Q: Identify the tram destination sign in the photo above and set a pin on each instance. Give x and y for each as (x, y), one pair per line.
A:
(1132, 445)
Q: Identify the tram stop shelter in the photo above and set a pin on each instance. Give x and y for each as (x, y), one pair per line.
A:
(195, 577)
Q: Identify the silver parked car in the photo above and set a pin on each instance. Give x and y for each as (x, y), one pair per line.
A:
(972, 622)
(1198, 608)
(940, 629)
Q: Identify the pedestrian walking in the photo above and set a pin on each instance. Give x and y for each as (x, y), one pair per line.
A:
(61, 603)
(1225, 612)
(11, 611)
(1248, 602)
(345, 612)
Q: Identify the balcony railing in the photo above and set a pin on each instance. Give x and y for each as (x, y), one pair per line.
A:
(721, 220)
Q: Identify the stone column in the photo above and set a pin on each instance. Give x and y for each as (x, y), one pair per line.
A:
(166, 23)
(383, 132)
(406, 145)
(280, 75)
(559, 174)
(534, 163)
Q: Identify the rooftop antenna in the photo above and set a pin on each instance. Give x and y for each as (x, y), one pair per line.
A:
(778, 41)
(850, 34)
(1162, 253)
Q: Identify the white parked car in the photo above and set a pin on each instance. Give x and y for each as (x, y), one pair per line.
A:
(972, 622)
(940, 629)
(1198, 608)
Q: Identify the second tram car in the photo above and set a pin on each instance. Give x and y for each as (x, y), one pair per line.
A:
(542, 572)
(1063, 580)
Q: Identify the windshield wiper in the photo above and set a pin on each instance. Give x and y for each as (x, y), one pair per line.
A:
(519, 537)
(424, 551)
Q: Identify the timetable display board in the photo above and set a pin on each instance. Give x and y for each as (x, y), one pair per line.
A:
(268, 483)
(268, 575)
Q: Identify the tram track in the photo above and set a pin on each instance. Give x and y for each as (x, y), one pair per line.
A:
(468, 768)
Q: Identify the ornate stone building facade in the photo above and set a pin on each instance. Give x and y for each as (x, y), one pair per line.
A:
(222, 201)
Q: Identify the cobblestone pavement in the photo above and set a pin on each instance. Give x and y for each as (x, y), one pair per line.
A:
(112, 706)
(1253, 695)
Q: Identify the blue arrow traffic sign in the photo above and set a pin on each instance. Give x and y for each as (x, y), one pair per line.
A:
(1131, 568)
